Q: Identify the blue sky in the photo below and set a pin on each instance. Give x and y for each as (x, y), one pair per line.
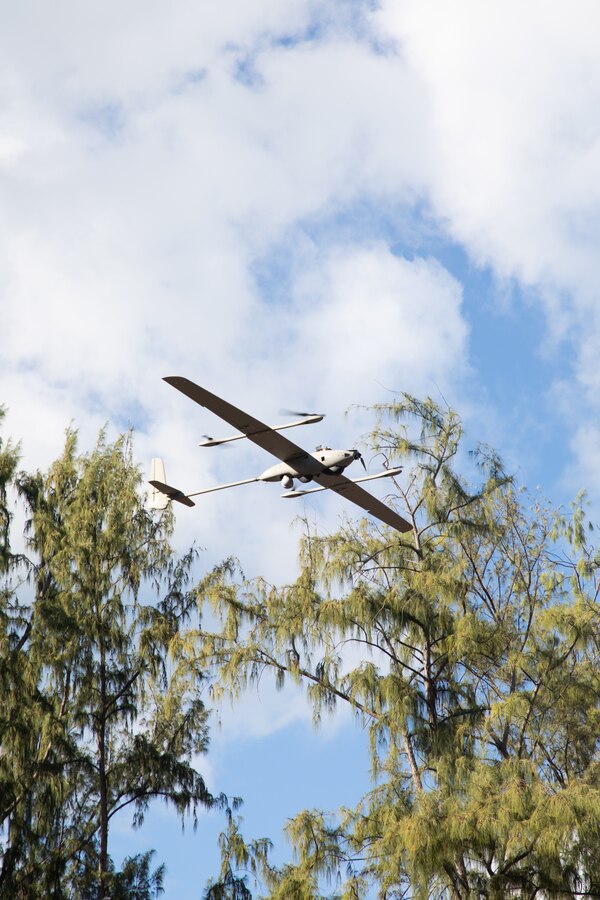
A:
(298, 205)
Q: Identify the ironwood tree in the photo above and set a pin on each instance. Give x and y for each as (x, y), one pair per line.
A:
(479, 683)
(96, 718)
(24, 714)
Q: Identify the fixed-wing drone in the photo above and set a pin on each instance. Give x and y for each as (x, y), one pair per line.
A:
(325, 466)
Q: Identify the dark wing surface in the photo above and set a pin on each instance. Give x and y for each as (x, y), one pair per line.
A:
(351, 491)
(255, 430)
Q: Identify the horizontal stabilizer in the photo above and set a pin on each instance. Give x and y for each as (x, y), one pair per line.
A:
(172, 493)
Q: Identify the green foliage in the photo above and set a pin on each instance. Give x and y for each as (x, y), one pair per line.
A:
(136, 882)
(237, 855)
(9, 459)
(469, 649)
(96, 716)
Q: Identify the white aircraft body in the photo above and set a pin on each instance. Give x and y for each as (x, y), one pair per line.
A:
(325, 466)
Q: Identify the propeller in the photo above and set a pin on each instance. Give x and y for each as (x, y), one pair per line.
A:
(295, 412)
(358, 455)
(209, 437)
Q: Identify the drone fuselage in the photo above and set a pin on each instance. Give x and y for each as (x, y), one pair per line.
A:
(322, 460)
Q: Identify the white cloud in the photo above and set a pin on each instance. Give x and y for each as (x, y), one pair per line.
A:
(370, 318)
(513, 98)
(85, 49)
(586, 443)
(510, 134)
(131, 247)
(262, 711)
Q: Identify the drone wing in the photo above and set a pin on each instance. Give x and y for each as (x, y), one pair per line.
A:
(255, 430)
(351, 491)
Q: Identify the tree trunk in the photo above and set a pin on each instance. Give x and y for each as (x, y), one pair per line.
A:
(103, 782)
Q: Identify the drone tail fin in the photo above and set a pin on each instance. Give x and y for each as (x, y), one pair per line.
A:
(157, 499)
(161, 493)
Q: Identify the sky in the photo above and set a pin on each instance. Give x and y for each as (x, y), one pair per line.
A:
(307, 205)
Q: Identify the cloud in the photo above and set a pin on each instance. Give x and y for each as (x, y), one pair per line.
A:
(263, 712)
(512, 94)
(372, 318)
(511, 131)
(133, 221)
(585, 445)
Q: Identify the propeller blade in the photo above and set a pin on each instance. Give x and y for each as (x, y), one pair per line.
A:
(358, 455)
(209, 441)
(295, 412)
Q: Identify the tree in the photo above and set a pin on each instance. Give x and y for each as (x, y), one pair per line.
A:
(116, 722)
(25, 716)
(9, 460)
(479, 681)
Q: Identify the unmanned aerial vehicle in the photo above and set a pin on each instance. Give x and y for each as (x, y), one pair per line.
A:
(325, 467)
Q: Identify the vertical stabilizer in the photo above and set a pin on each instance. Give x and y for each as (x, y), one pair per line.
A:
(156, 498)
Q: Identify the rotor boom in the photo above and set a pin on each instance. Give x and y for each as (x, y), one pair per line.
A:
(307, 420)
